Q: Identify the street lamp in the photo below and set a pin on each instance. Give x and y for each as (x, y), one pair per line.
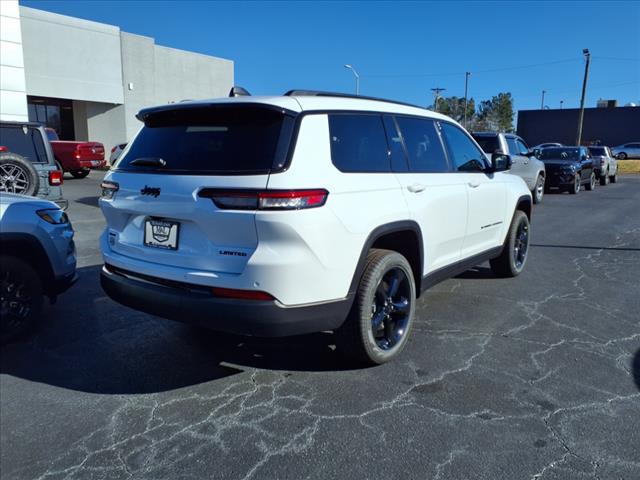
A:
(349, 67)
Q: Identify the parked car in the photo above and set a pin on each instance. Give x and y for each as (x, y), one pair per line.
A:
(604, 164)
(115, 153)
(27, 164)
(568, 168)
(77, 158)
(525, 164)
(37, 260)
(546, 145)
(276, 216)
(628, 150)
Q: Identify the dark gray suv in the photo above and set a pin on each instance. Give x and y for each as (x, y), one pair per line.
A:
(27, 164)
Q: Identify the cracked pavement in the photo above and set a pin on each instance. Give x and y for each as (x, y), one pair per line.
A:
(536, 377)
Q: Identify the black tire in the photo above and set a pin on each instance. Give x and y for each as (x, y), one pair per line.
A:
(575, 187)
(538, 190)
(604, 179)
(515, 250)
(21, 298)
(622, 156)
(17, 175)
(613, 178)
(592, 182)
(80, 173)
(376, 302)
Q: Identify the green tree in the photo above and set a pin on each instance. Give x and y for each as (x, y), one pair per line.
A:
(495, 114)
(454, 107)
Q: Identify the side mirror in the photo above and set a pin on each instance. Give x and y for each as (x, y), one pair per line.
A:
(500, 162)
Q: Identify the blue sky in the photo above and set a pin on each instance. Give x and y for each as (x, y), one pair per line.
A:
(401, 50)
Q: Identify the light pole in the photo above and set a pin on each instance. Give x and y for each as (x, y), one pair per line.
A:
(436, 91)
(587, 55)
(466, 86)
(542, 103)
(349, 67)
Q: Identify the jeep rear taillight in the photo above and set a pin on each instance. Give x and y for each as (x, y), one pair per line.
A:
(55, 178)
(266, 199)
(109, 189)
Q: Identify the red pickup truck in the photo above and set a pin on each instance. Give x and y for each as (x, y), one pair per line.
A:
(77, 158)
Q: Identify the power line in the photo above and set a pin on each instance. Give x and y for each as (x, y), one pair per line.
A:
(491, 70)
(618, 59)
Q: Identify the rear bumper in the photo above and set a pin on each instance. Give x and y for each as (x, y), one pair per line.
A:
(244, 317)
(92, 163)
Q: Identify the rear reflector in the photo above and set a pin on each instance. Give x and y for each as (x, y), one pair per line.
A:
(266, 199)
(55, 178)
(241, 294)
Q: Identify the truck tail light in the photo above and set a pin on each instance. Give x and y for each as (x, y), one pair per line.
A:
(3, 149)
(266, 199)
(241, 294)
(55, 178)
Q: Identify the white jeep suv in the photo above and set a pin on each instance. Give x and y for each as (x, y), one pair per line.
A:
(308, 212)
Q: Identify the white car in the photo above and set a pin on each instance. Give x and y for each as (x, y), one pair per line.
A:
(628, 150)
(308, 212)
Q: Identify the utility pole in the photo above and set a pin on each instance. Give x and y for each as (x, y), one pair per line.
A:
(561, 102)
(436, 91)
(587, 55)
(466, 88)
(542, 103)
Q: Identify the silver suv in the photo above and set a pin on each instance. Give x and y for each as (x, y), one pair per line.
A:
(525, 164)
(27, 164)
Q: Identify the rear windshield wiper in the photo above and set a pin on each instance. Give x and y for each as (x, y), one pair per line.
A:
(149, 162)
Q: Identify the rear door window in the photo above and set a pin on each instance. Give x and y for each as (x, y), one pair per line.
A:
(424, 148)
(513, 148)
(226, 140)
(358, 143)
(24, 141)
(489, 144)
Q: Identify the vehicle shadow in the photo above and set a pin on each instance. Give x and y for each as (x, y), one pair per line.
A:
(89, 343)
(635, 368)
(477, 273)
(91, 201)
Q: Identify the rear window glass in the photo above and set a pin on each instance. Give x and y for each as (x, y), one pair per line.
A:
(30, 145)
(598, 151)
(237, 140)
(487, 144)
(423, 144)
(358, 143)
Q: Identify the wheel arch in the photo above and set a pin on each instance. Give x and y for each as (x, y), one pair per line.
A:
(524, 203)
(404, 237)
(27, 248)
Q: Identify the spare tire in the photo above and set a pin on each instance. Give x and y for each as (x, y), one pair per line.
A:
(17, 175)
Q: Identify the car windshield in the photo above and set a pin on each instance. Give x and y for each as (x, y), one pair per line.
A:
(489, 144)
(598, 151)
(568, 154)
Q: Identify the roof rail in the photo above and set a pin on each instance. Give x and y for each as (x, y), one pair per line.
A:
(317, 93)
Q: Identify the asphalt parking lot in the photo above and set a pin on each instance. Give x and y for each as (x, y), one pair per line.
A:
(525, 378)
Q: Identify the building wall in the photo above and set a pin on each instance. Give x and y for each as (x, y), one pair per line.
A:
(13, 98)
(611, 126)
(68, 57)
(156, 75)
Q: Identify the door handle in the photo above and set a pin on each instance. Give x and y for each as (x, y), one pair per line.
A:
(416, 188)
(474, 184)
